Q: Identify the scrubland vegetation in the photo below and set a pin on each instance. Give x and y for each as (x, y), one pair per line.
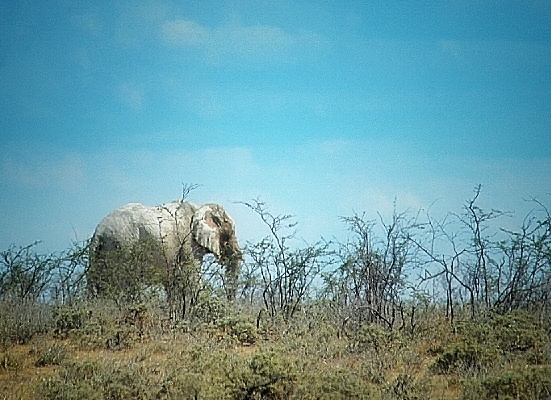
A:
(406, 308)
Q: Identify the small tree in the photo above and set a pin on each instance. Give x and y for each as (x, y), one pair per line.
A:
(125, 274)
(26, 274)
(460, 251)
(69, 283)
(369, 284)
(524, 271)
(481, 271)
(181, 271)
(286, 275)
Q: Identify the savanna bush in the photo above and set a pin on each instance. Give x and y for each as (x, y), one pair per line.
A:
(518, 331)
(493, 340)
(100, 325)
(529, 383)
(20, 322)
(333, 383)
(239, 329)
(208, 309)
(49, 354)
(268, 375)
(11, 361)
(466, 356)
(95, 380)
(404, 387)
(69, 319)
(375, 338)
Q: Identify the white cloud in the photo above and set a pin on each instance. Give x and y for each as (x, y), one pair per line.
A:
(139, 21)
(255, 42)
(66, 173)
(185, 33)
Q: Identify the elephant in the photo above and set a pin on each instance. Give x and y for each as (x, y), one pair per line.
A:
(158, 240)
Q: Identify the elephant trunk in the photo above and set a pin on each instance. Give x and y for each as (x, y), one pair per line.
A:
(231, 258)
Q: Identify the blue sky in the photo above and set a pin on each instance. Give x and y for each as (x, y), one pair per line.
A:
(321, 109)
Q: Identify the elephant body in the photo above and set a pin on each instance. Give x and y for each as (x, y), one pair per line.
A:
(166, 236)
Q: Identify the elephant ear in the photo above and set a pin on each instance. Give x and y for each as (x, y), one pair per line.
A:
(205, 228)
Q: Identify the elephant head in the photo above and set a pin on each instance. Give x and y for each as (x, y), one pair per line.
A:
(171, 234)
(213, 231)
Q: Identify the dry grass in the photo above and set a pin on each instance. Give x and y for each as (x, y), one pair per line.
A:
(220, 362)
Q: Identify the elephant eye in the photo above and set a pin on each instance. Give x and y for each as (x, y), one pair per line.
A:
(217, 221)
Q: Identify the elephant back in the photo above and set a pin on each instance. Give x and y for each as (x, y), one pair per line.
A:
(133, 222)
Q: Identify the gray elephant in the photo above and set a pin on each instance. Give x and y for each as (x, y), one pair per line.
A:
(158, 241)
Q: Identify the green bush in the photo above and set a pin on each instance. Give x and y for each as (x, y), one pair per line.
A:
(268, 375)
(492, 340)
(404, 387)
(517, 331)
(19, 323)
(239, 329)
(52, 354)
(98, 326)
(10, 361)
(467, 356)
(94, 380)
(531, 383)
(68, 319)
(334, 383)
(209, 309)
(56, 389)
(374, 338)
(181, 385)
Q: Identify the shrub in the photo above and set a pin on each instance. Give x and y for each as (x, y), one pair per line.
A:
(52, 354)
(267, 376)
(334, 383)
(467, 356)
(404, 387)
(68, 319)
(93, 380)
(239, 329)
(209, 309)
(517, 331)
(373, 337)
(496, 338)
(181, 385)
(97, 326)
(531, 383)
(11, 361)
(19, 323)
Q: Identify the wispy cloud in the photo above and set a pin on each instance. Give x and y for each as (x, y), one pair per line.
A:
(139, 21)
(130, 95)
(66, 173)
(88, 23)
(255, 42)
(498, 54)
(185, 33)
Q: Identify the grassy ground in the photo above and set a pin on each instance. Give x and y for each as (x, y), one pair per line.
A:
(101, 352)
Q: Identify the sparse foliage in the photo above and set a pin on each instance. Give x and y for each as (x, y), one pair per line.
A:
(375, 323)
(25, 274)
(480, 270)
(286, 275)
(370, 283)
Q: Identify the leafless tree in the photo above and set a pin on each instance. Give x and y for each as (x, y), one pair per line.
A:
(69, 282)
(286, 274)
(524, 270)
(26, 274)
(369, 285)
